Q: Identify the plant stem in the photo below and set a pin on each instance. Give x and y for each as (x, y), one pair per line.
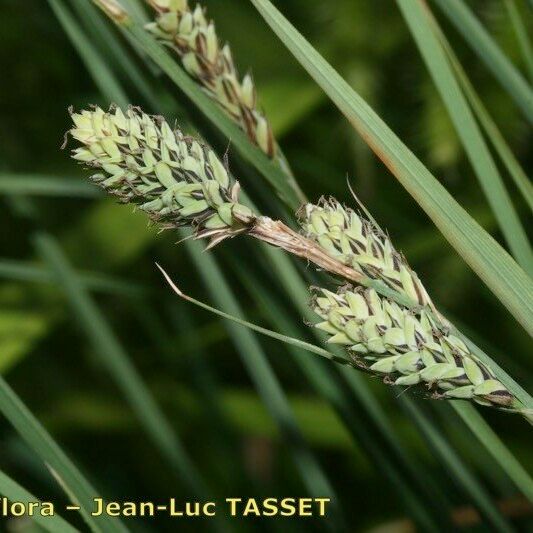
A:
(280, 235)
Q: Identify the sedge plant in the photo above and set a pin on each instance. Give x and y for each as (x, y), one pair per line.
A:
(179, 181)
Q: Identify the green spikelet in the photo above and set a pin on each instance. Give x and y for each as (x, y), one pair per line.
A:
(194, 39)
(175, 179)
(405, 348)
(361, 244)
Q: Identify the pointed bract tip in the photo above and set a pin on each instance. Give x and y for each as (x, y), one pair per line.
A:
(113, 10)
(169, 280)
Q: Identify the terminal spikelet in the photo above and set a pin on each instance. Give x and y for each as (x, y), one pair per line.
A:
(405, 347)
(176, 180)
(193, 37)
(359, 243)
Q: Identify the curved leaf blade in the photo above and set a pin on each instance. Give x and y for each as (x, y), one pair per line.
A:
(418, 20)
(490, 53)
(485, 256)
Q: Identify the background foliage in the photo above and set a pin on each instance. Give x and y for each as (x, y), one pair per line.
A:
(81, 301)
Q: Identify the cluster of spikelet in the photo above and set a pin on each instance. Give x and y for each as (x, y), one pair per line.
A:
(193, 37)
(179, 181)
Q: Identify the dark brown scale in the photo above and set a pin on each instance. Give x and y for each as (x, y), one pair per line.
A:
(461, 381)
(356, 246)
(392, 282)
(373, 271)
(419, 338)
(374, 249)
(458, 359)
(394, 322)
(377, 248)
(419, 296)
(181, 45)
(402, 348)
(249, 122)
(501, 394)
(337, 247)
(201, 44)
(205, 66)
(229, 91)
(484, 370)
(396, 262)
(369, 307)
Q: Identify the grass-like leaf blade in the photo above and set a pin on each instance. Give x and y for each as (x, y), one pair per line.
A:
(515, 170)
(418, 20)
(100, 71)
(485, 256)
(461, 16)
(48, 450)
(120, 368)
(14, 492)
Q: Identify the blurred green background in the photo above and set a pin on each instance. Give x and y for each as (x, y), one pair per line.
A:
(109, 303)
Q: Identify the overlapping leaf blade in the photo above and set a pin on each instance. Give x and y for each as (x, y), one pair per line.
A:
(484, 255)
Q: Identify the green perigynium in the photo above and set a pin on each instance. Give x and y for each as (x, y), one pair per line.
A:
(194, 39)
(175, 179)
(360, 243)
(405, 347)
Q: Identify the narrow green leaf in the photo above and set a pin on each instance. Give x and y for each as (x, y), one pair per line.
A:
(117, 363)
(418, 20)
(264, 378)
(37, 438)
(521, 35)
(516, 172)
(461, 471)
(486, 257)
(136, 8)
(10, 489)
(208, 389)
(264, 331)
(498, 450)
(94, 281)
(489, 52)
(99, 70)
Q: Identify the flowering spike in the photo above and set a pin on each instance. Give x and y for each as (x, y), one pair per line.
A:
(194, 39)
(175, 179)
(362, 245)
(405, 348)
